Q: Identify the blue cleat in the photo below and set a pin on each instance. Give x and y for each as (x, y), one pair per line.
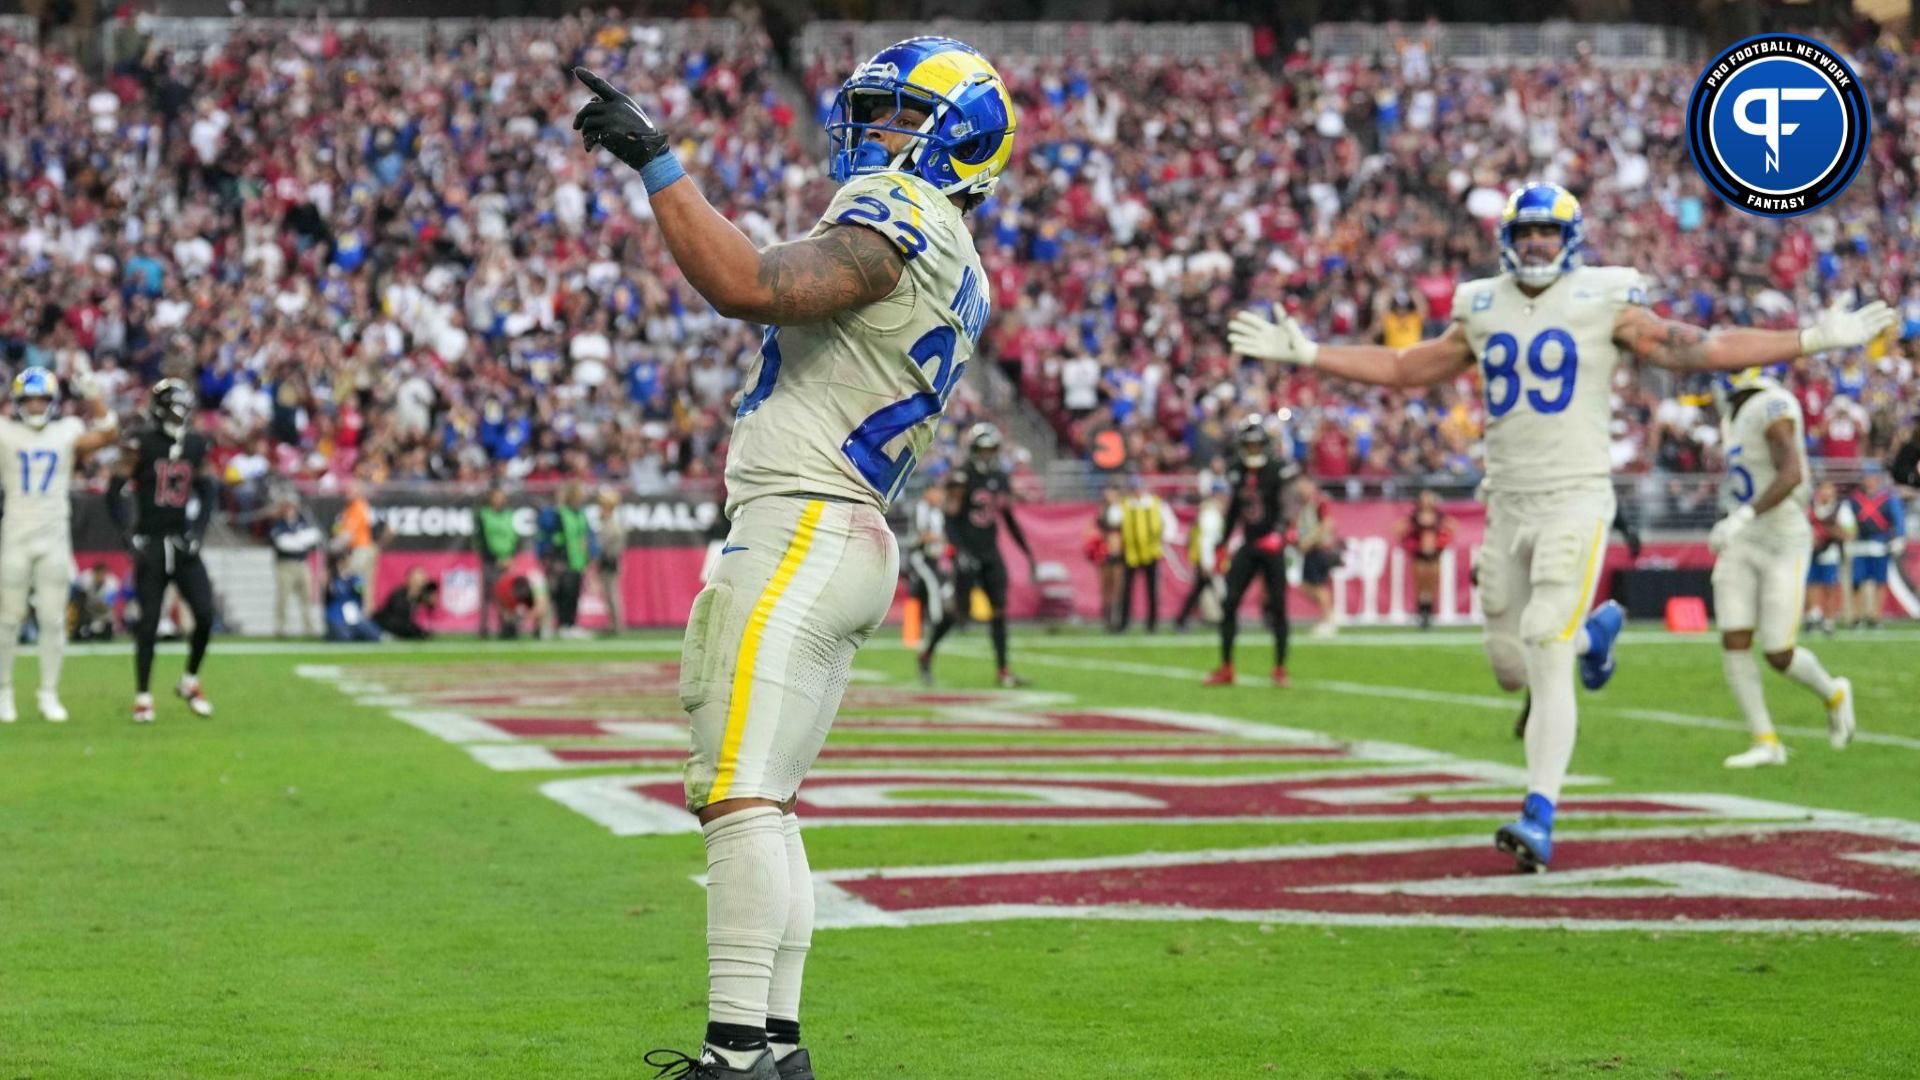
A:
(1603, 626)
(1530, 839)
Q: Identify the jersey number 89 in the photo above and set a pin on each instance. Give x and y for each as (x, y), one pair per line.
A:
(1503, 377)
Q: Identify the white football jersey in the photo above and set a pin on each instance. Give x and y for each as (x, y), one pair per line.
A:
(845, 406)
(1750, 466)
(36, 471)
(1546, 365)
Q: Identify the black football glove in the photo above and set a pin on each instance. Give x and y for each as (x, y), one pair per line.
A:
(615, 121)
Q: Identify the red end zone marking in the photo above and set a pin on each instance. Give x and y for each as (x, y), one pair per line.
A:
(1744, 876)
(606, 755)
(547, 727)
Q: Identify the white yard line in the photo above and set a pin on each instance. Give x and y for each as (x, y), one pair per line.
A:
(1510, 705)
(1446, 638)
(244, 647)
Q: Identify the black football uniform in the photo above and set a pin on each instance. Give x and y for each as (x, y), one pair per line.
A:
(172, 496)
(1258, 508)
(983, 498)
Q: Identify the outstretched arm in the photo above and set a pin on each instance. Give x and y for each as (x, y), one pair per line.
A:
(1686, 347)
(1421, 364)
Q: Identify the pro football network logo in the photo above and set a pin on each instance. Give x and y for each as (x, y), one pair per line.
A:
(1778, 125)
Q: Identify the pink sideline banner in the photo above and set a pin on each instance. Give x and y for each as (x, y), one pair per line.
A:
(1373, 584)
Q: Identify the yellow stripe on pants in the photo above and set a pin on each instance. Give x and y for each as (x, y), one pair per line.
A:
(1584, 599)
(742, 695)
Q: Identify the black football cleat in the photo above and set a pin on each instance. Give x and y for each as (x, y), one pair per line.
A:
(674, 1065)
(796, 1066)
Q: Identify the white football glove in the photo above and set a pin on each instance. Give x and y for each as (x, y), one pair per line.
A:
(1250, 335)
(1727, 528)
(1837, 328)
(81, 383)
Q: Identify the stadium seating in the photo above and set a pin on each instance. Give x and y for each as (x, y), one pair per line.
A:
(388, 257)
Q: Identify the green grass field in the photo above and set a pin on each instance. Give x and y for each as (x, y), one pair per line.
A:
(305, 885)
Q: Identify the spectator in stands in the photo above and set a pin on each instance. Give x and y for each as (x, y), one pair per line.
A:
(395, 266)
(497, 542)
(610, 541)
(567, 547)
(294, 539)
(403, 614)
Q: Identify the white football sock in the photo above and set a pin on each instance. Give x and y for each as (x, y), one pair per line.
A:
(746, 912)
(1743, 678)
(1552, 723)
(1582, 644)
(1805, 669)
(783, 995)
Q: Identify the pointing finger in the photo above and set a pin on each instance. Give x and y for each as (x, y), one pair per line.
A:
(598, 85)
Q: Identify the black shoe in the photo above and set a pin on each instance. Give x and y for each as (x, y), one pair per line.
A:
(674, 1065)
(795, 1066)
(1520, 722)
(926, 669)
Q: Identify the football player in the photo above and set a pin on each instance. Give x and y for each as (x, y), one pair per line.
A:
(1760, 561)
(1547, 334)
(980, 497)
(38, 450)
(174, 494)
(870, 321)
(1258, 481)
(926, 546)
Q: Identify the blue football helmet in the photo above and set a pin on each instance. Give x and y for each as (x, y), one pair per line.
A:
(36, 383)
(965, 140)
(1552, 204)
(1729, 384)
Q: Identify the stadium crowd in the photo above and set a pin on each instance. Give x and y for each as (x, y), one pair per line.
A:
(1152, 198)
(403, 268)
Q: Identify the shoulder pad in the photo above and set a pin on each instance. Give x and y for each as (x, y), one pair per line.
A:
(1618, 284)
(1472, 296)
(895, 205)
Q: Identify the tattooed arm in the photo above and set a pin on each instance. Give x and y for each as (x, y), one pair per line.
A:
(1686, 347)
(847, 266)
